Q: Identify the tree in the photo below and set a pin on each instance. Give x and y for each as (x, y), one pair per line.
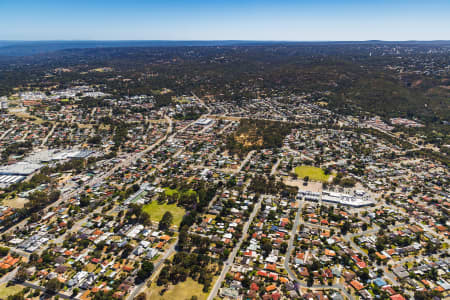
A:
(54, 196)
(364, 274)
(34, 257)
(4, 251)
(364, 226)
(345, 228)
(96, 139)
(18, 296)
(144, 218)
(135, 187)
(21, 275)
(145, 271)
(75, 292)
(266, 247)
(127, 250)
(84, 200)
(283, 247)
(424, 295)
(166, 221)
(141, 296)
(310, 280)
(163, 276)
(53, 285)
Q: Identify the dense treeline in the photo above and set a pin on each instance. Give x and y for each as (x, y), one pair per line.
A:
(191, 260)
(184, 265)
(38, 200)
(355, 79)
(262, 185)
(253, 134)
(18, 148)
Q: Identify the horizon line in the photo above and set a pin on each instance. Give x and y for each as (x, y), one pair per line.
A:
(218, 40)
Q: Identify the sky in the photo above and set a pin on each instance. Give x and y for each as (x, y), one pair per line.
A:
(263, 20)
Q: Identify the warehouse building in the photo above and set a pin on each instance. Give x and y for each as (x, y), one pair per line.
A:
(7, 180)
(20, 169)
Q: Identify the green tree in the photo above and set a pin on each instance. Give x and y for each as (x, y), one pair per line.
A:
(145, 271)
(4, 251)
(53, 285)
(166, 221)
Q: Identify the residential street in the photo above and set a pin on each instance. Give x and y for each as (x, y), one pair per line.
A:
(228, 263)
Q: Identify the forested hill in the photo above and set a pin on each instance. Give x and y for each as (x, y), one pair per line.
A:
(389, 79)
(26, 48)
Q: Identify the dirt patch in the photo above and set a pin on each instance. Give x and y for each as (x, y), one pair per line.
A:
(16, 202)
(246, 140)
(312, 186)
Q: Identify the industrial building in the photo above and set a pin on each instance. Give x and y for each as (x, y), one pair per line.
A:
(7, 180)
(46, 156)
(14, 173)
(20, 169)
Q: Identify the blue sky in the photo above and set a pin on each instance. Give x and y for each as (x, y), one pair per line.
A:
(312, 20)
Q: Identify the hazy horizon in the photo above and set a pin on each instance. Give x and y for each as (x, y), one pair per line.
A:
(219, 40)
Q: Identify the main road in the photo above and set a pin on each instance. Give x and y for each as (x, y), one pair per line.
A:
(96, 180)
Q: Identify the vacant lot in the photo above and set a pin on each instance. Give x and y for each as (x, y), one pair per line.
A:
(9, 291)
(313, 186)
(156, 211)
(16, 202)
(183, 290)
(314, 173)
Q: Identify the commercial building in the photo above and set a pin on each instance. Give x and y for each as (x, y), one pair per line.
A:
(203, 122)
(358, 199)
(346, 199)
(20, 169)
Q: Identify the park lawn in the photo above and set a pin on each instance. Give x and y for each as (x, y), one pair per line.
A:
(183, 290)
(314, 173)
(156, 211)
(9, 291)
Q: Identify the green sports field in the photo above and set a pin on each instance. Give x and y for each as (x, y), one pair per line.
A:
(314, 173)
(156, 211)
